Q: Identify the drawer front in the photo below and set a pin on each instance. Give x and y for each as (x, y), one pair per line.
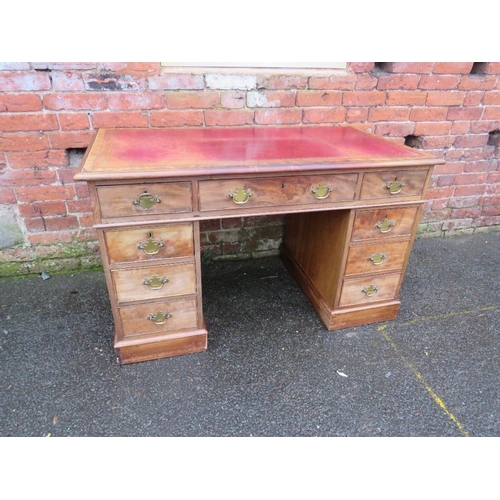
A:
(276, 191)
(393, 184)
(158, 317)
(369, 289)
(145, 199)
(154, 282)
(384, 223)
(149, 244)
(379, 257)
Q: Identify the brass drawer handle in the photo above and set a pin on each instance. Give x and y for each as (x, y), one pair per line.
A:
(151, 247)
(395, 186)
(321, 192)
(371, 290)
(159, 318)
(146, 200)
(377, 258)
(385, 225)
(240, 196)
(155, 282)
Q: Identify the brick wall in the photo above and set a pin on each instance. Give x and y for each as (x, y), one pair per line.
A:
(49, 111)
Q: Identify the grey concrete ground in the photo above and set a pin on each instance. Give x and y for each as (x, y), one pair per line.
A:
(271, 368)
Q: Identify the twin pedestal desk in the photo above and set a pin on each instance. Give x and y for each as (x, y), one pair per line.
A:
(352, 199)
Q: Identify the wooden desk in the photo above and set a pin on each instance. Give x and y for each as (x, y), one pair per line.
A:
(353, 201)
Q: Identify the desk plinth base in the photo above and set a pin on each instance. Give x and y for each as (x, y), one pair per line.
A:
(134, 351)
(345, 317)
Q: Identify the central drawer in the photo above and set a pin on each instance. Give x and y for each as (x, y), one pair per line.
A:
(154, 282)
(276, 191)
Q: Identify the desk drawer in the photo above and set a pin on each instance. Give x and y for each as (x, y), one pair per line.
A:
(158, 317)
(154, 282)
(144, 199)
(276, 191)
(369, 289)
(384, 223)
(149, 243)
(379, 257)
(393, 184)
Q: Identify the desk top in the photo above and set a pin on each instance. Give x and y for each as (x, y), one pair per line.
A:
(117, 154)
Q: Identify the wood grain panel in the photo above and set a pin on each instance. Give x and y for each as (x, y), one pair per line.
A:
(374, 184)
(123, 244)
(135, 318)
(118, 201)
(129, 283)
(276, 191)
(352, 290)
(358, 259)
(365, 222)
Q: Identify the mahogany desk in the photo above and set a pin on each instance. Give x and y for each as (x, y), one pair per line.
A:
(352, 199)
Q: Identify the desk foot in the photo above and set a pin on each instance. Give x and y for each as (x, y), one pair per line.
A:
(136, 351)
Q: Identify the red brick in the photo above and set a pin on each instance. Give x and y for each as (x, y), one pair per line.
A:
(24, 122)
(492, 113)
(433, 82)
(277, 116)
(437, 142)
(362, 98)
(40, 159)
(7, 196)
(45, 193)
(82, 190)
(335, 82)
(432, 128)
(22, 81)
(463, 213)
(64, 66)
(492, 210)
(417, 98)
(493, 177)
(86, 220)
(480, 166)
(492, 68)
(462, 68)
(446, 98)
(36, 209)
(449, 168)
(473, 154)
(318, 98)
(388, 114)
(324, 115)
(67, 81)
(42, 224)
(408, 67)
(428, 114)
(394, 129)
(176, 118)
(477, 82)
(444, 180)
(356, 115)
(464, 113)
(281, 82)
(141, 68)
(77, 101)
(473, 98)
(65, 140)
(365, 82)
(482, 126)
(232, 100)
(458, 127)
(104, 82)
(466, 191)
(439, 204)
(176, 82)
(50, 238)
(474, 178)
(20, 102)
(119, 119)
(361, 67)
(65, 174)
(74, 121)
(192, 100)
(398, 82)
(135, 101)
(492, 97)
(24, 142)
(471, 141)
(270, 99)
(79, 206)
(28, 177)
